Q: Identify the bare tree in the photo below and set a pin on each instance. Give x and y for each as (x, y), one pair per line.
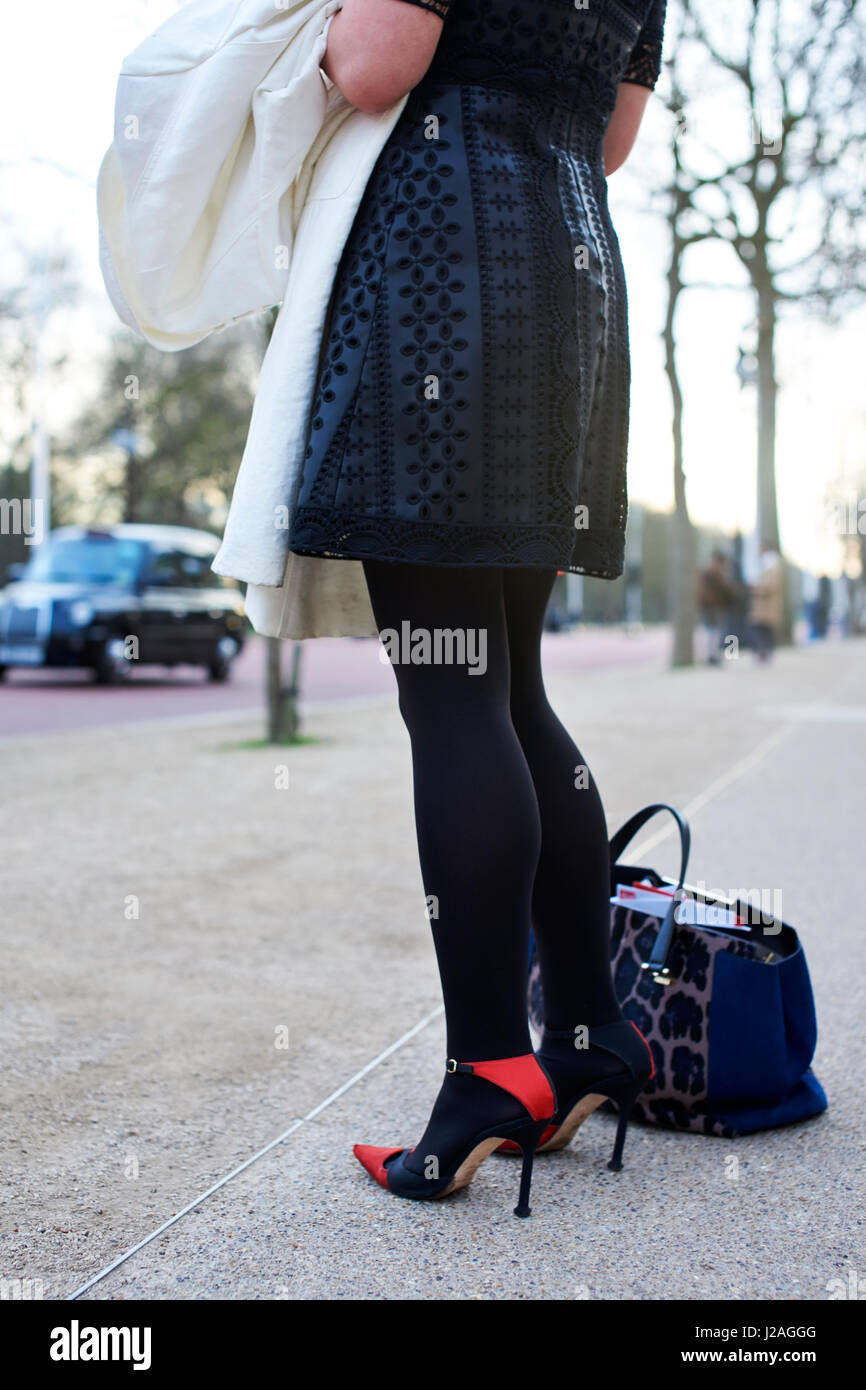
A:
(41, 282)
(786, 194)
(678, 198)
(791, 209)
(190, 411)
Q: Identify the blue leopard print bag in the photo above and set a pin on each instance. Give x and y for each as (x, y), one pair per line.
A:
(728, 1013)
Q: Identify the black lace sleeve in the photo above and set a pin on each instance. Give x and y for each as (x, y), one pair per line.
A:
(645, 62)
(440, 7)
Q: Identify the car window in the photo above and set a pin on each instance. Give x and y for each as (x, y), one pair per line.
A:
(181, 569)
(164, 569)
(196, 571)
(89, 559)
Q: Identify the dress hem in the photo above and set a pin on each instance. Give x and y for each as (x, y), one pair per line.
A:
(346, 537)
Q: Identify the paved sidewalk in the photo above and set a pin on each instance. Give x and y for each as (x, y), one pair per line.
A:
(39, 700)
(170, 908)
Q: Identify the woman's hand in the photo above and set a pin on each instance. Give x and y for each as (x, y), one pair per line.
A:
(378, 50)
(624, 124)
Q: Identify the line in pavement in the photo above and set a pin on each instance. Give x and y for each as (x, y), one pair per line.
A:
(721, 783)
(295, 1125)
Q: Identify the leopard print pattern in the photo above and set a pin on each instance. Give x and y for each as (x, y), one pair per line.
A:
(674, 1018)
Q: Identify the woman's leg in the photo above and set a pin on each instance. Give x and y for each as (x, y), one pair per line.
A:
(478, 831)
(571, 899)
(475, 806)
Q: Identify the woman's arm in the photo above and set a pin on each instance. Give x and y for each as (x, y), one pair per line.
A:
(640, 77)
(624, 124)
(378, 50)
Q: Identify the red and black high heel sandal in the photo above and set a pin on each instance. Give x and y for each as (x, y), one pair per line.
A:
(525, 1079)
(623, 1040)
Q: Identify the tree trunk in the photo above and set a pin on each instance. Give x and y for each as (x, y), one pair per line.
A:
(768, 517)
(768, 512)
(685, 569)
(284, 720)
(131, 488)
(283, 717)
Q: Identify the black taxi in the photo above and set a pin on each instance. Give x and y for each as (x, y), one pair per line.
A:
(110, 598)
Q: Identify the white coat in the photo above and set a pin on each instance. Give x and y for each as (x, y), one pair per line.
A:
(235, 175)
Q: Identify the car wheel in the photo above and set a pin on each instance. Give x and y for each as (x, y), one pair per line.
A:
(224, 653)
(111, 666)
(220, 669)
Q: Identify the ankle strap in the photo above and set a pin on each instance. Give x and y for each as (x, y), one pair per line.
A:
(624, 1039)
(522, 1077)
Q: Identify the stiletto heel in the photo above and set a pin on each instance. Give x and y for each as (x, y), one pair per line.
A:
(525, 1079)
(527, 1147)
(625, 1102)
(623, 1040)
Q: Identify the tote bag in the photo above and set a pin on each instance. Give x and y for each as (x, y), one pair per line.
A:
(727, 1011)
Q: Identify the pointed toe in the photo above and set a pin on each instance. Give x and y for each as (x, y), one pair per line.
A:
(374, 1159)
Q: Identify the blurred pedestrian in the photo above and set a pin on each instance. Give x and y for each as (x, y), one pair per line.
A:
(766, 610)
(739, 618)
(823, 605)
(715, 603)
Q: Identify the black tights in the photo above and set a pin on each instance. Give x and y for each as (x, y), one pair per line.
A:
(510, 824)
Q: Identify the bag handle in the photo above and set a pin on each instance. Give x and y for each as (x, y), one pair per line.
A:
(626, 833)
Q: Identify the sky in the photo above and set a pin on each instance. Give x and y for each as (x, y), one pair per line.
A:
(54, 133)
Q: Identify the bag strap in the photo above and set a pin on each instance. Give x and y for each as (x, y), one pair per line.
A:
(626, 833)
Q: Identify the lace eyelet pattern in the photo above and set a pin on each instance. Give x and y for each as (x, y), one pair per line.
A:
(471, 403)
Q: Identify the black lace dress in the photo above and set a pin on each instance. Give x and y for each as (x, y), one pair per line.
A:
(471, 404)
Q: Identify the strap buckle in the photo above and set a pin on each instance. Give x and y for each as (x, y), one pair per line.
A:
(451, 1064)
